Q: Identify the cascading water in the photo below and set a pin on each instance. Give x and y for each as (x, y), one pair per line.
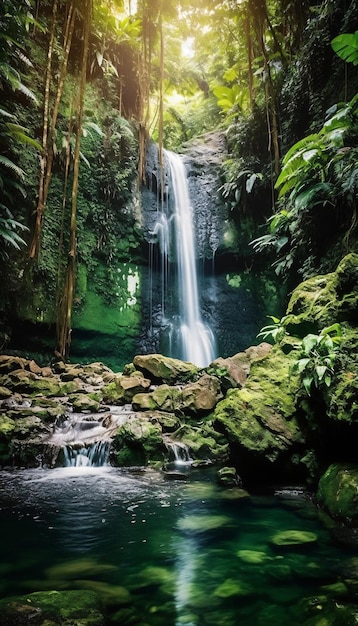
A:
(86, 439)
(189, 338)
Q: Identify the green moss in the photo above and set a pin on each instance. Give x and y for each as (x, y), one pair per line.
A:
(338, 491)
(261, 416)
(80, 608)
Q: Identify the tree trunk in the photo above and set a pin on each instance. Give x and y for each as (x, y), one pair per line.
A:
(64, 327)
(48, 135)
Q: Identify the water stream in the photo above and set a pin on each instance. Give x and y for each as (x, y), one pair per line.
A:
(165, 553)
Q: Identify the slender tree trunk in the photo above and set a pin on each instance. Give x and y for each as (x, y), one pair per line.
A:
(48, 135)
(65, 321)
(35, 244)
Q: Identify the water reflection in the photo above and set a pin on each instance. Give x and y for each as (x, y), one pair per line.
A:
(166, 553)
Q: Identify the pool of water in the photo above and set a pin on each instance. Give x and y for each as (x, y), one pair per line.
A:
(163, 552)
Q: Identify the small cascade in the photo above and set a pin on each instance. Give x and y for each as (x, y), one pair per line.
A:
(190, 339)
(85, 439)
(178, 453)
(94, 455)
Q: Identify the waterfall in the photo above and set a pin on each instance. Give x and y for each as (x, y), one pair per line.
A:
(85, 439)
(93, 455)
(194, 338)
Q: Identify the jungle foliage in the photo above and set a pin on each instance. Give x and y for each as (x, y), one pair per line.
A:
(84, 84)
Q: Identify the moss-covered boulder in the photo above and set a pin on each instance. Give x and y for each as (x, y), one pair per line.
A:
(201, 396)
(163, 398)
(165, 369)
(338, 492)
(122, 389)
(228, 477)
(259, 420)
(204, 442)
(47, 608)
(138, 442)
(323, 300)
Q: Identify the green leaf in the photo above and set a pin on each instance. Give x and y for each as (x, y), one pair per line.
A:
(321, 370)
(346, 46)
(309, 342)
(307, 382)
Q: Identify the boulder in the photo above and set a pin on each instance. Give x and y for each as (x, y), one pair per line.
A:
(163, 398)
(42, 608)
(138, 442)
(259, 420)
(201, 396)
(324, 300)
(198, 397)
(122, 389)
(228, 477)
(165, 369)
(338, 492)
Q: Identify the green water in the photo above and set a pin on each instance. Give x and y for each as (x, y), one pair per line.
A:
(172, 553)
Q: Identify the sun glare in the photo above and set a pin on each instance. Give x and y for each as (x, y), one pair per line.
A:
(187, 48)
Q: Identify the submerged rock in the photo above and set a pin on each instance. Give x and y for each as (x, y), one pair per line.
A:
(293, 538)
(44, 608)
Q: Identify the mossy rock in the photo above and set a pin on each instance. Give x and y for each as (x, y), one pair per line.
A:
(326, 299)
(163, 398)
(261, 417)
(83, 403)
(338, 492)
(123, 388)
(254, 557)
(78, 608)
(293, 538)
(203, 523)
(204, 442)
(228, 477)
(231, 588)
(138, 442)
(165, 369)
(7, 425)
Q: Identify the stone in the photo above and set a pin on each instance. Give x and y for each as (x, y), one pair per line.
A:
(228, 477)
(201, 396)
(203, 523)
(293, 538)
(163, 398)
(164, 369)
(122, 389)
(231, 588)
(259, 420)
(338, 492)
(138, 442)
(83, 403)
(78, 608)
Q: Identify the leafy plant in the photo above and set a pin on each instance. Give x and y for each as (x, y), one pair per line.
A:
(315, 365)
(346, 46)
(275, 331)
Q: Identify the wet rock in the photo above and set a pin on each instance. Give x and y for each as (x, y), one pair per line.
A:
(203, 523)
(228, 477)
(83, 403)
(259, 420)
(338, 492)
(233, 588)
(78, 608)
(293, 538)
(164, 398)
(138, 442)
